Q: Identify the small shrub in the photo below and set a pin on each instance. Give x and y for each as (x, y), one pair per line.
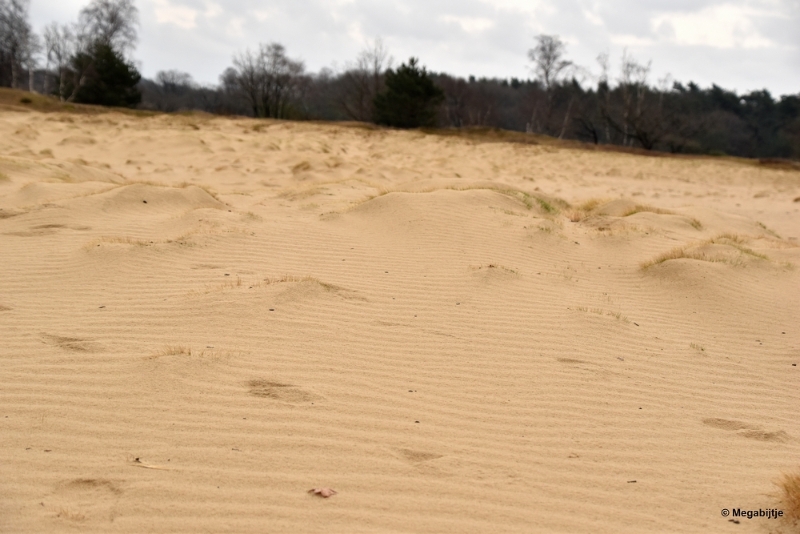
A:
(25, 100)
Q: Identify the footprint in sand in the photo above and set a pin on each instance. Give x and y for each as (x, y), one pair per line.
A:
(748, 431)
(417, 457)
(280, 392)
(73, 344)
(84, 498)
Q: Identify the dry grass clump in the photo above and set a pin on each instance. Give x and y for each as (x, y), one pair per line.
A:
(580, 212)
(639, 208)
(4, 177)
(789, 485)
(736, 241)
(690, 252)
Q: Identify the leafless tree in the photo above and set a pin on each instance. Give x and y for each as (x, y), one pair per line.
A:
(172, 81)
(111, 22)
(548, 59)
(269, 79)
(603, 88)
(18, 43)
(59, 48)
(633, 83)
(549, 67)
(363, 80)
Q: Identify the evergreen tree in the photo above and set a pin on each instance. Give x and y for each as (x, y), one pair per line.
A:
(109, 79)
(410, 100)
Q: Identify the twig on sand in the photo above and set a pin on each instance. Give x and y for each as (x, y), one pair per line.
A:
(137, 462)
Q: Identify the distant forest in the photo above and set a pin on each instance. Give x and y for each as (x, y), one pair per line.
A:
(90, 61)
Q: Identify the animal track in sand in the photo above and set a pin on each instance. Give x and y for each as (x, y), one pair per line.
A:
(278, 391)
(747, 431)
(85, 498)
(73, 344)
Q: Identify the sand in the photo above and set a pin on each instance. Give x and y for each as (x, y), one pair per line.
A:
(203, 318)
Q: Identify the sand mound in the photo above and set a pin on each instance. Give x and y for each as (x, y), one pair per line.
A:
(203, 318)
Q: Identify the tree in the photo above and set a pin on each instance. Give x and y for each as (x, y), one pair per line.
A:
(269, 79)
(410, 100)
(111, 22)
(109, 79)
(364, 80)
(59, 49)
(548, 59)
(173, 81)
(549, 66)
(18, 43)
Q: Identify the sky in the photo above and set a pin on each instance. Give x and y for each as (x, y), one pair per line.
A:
(741, 45)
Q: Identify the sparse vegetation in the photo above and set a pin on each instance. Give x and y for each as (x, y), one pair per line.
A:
(789, 486)
(697, 347)
(639, 208)
(691, 251)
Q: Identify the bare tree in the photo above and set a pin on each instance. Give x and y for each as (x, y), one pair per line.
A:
(363, 80)
(269, 79)
(549, 67)
(604, 89)
(59, 49)
(111, 22)
(18, 43)
(633, 83)
(548, 59)
(173, 81)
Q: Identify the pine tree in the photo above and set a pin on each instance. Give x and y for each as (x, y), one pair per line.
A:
(410, 100)
(110, 80)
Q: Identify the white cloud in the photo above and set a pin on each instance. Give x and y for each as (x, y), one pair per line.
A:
(720, 26)
(631, 40)
(470, 24)
(181, 16)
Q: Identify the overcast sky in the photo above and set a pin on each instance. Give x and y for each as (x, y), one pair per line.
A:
(738, 44)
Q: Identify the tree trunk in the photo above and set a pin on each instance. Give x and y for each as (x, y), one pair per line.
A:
(566, 118)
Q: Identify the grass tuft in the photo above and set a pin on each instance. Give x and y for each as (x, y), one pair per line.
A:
(689, 252)
(789, 485)
(639, 208)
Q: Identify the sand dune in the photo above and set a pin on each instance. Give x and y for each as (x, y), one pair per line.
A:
(204, 318)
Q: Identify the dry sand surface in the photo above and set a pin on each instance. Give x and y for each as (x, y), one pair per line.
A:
(203, 318)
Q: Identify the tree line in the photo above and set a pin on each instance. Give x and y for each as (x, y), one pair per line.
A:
(90, 61)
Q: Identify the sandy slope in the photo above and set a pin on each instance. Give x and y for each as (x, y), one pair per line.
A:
(201, 319)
